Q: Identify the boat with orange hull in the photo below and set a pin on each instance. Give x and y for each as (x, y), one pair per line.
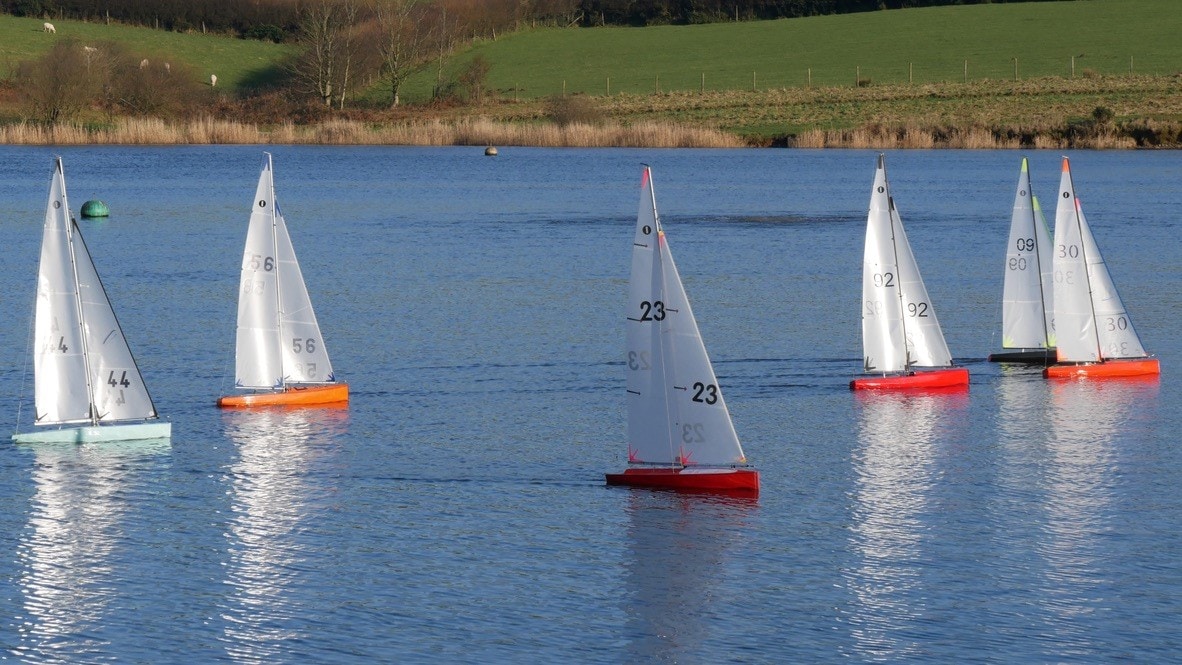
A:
(335, 393)
(689, 479)
(953, 377)
(679, 430)
(1094, 333)
(280, 358)
(1111, 369)
(902, 343)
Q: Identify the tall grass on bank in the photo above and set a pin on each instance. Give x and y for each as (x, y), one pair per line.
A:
(882, 137)
(151, 131)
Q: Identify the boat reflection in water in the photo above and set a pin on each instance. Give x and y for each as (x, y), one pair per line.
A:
(893, 463)
(273, 500)
(78, 515)
(1081, 481)
(676, 571)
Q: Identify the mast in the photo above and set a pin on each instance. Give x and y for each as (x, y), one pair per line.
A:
(275, 253)
(895, 253)
(70, 226)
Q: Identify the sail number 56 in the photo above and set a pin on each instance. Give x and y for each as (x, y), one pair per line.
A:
(303, 345)
(257, 261)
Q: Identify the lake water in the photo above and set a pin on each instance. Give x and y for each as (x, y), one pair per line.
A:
(456, 510)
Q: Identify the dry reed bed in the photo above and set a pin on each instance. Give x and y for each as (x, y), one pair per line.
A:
(152, 131)
(914, 137)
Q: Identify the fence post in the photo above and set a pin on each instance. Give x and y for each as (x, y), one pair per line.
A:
(752, 81)
(564, 87)
(609, 86)
(703, 89)
(910, 72)
(966, 71)
(1073, 66)
(658, 84)
(857, 75)
(1015, 68)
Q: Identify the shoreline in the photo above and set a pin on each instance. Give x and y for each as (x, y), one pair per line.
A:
(483, 132)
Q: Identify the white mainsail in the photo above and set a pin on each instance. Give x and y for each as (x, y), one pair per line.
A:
(899, 325)
(83, 368)
(1027, 312)
(676, 412)
(1090, 319)
(278, 341)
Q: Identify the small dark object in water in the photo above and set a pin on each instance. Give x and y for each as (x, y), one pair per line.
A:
(490, 151)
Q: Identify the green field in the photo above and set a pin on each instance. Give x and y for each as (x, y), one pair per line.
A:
(236, 62)
(927, 44)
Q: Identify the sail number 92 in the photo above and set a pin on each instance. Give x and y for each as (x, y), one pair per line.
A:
(884, 279)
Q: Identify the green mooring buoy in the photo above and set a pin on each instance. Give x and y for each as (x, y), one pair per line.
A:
(95, 209)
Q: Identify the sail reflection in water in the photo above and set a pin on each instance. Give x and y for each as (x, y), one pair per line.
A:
(679, 547)
(77, 520)
(1086, 419)
(272, 501)
(897, 434)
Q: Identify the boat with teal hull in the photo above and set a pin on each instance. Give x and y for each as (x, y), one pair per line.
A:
(97, 433)
(87, 386)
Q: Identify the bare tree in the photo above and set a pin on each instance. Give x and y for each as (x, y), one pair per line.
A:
(59, 85)
(407, 29)
(322, 24)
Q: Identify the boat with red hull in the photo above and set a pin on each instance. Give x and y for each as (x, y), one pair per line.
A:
(953, 377)
(689, 479)
(680, 432)
(1094, 333)
(902, 343)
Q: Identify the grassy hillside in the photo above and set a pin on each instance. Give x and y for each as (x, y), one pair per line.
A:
(237, 62)
(1106, 36)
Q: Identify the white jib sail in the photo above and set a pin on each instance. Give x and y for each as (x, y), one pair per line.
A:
(305, 356)
(1117, 338)
(76, 330)
(279, 340)
(1026, 295)
(676, 412)
(59, 367)
(119, 390)
(925, 340)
